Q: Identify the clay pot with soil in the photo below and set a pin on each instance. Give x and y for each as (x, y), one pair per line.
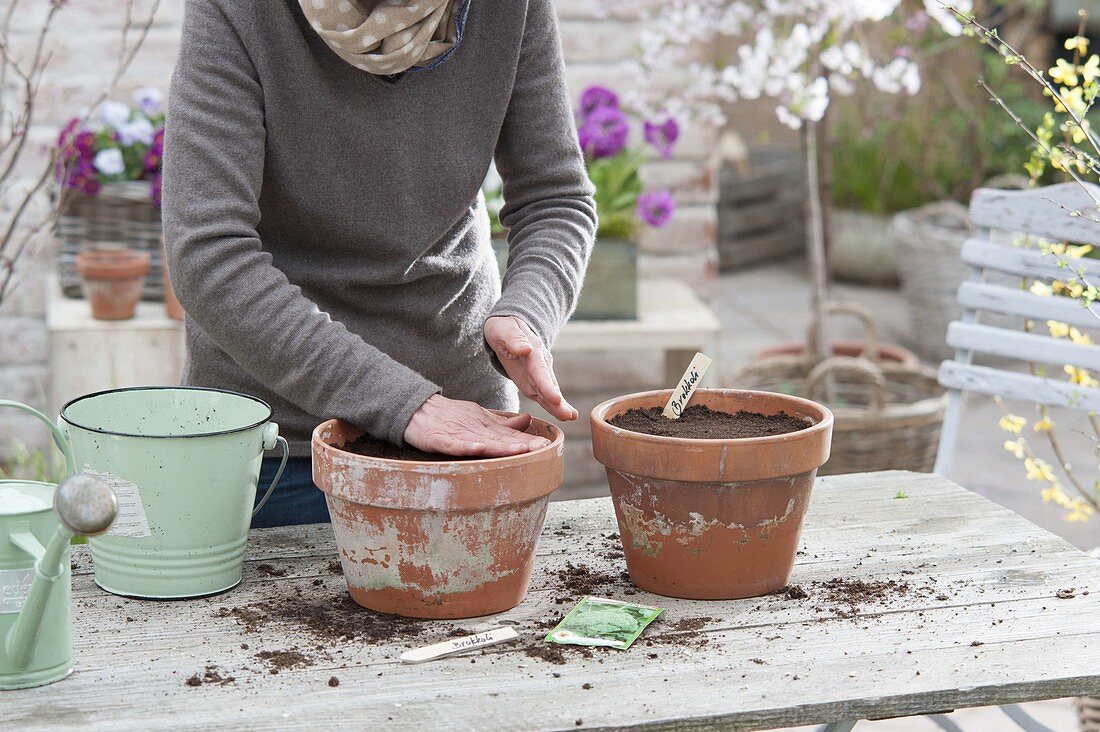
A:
(710, 506)
(113, 281)
(429, 536)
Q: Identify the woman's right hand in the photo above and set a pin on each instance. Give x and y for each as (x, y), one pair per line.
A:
(454, 427)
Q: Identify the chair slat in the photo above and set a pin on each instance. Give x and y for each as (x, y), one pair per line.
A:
(1036, 212)
(1023, 346)
(1014, 385)
(1013, 260)
(1014, 301)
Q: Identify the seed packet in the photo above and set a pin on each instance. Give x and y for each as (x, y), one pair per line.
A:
(597, 621)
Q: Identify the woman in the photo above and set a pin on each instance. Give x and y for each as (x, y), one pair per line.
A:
(325, 228)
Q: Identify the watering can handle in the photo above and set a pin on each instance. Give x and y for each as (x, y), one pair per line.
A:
(55, 431)
(271, 438)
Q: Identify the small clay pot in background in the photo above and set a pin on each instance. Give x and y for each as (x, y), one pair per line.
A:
(451, 539)
(171, 304)
(711, 519)
(113, 281)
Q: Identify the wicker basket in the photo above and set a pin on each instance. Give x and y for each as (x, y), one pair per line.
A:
(886, 417)
(1088, 713)
(120, 215)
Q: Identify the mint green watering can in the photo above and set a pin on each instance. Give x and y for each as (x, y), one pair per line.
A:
(184, 463)
(37, 520)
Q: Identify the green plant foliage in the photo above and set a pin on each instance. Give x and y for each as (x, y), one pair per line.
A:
(618, 186)
(892, 154)
(23, 463)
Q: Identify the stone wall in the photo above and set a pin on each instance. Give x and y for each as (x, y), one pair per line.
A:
(597, 49)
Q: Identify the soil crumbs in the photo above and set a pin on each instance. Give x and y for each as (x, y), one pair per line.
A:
(370, 447)
(700, 422)
(210, 675)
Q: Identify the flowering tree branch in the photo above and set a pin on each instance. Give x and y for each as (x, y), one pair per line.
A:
(14, 127)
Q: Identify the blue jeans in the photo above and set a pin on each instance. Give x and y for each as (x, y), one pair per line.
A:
(296, 500)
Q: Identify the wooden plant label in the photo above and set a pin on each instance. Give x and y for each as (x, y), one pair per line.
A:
(460, 645)
(684, 390)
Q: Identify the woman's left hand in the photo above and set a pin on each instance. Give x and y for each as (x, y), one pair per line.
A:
(528, 363)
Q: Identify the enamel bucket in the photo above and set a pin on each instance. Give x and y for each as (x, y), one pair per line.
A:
(184, 463)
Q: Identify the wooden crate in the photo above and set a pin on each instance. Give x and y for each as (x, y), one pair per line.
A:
(610, 289)
(760, 208)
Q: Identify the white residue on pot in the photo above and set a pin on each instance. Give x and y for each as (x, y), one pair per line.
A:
(13, 500)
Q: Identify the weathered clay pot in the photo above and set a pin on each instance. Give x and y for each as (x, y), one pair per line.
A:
(436, 539)
(887, 352)
(113, 280)
(711, 519)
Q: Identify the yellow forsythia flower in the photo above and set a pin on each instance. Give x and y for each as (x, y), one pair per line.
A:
(1039, 469)
(1012, 423)
(1081, 250)
(1063, 72)
(1080, 44)
(1083, 339)
(1058, 330)
(1054, 494)
(1090, 70)
(1016, 447)
(1080, 376)
(1041, 289)
(1044, 425)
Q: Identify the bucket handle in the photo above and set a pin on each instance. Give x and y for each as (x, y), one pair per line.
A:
(58, 435)
(272, 438)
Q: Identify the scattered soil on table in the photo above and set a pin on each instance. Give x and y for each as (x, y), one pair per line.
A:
(1066, 594)
(792, 592)
(546, 652)
(270, 571)
(333, 681)
(857, 593)
(689, 625)
(329, 619)
(210, 675)
(578, 580)
(334, 567)
(700, 422)
(370, 447)
(282, 660)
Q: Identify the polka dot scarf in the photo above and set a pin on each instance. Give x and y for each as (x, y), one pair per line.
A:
(387, 37)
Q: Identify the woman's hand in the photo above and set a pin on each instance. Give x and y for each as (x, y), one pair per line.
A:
(528, 363)
(455, 427)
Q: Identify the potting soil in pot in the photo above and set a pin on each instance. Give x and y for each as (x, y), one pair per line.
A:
(700, 422)
(367, 445)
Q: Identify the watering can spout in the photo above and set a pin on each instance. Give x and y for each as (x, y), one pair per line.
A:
(86, 506)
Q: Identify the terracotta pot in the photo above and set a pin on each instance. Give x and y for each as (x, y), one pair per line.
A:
(711, 519)
(436, 539)
(171, 304)
(887, 353)
(113, 280)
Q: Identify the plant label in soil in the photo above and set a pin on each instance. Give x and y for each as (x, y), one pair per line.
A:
(684, 390)
(597, 621)
(460, 645)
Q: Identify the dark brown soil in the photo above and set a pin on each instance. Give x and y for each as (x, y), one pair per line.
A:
(270, 571)
(546, 652)
(333, 681)
(578, 580)
(700, 422)
(280, 660)
(691, 625)
(367, 445)
(328, 618)
(856, 593)
(793, 592)
(210, 675)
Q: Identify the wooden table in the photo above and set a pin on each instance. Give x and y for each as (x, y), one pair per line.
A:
(982, 623)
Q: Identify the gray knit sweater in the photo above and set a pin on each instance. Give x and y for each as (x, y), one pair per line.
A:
(324, 227)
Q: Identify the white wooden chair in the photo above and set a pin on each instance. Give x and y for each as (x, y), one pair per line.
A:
(1041, 213)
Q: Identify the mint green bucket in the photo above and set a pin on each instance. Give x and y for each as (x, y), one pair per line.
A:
(184, 463)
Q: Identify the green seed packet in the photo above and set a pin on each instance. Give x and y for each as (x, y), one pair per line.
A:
(596, 621)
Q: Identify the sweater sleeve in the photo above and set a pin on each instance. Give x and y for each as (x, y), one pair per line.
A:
(549, 210)
(227, 283)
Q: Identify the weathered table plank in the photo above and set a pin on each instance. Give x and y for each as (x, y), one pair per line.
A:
(981, 624)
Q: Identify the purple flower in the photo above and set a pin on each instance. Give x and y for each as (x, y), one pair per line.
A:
(603, 133)
(155, 188)
(597, 97)
(662, 136)
(156, 152)
(656, 207)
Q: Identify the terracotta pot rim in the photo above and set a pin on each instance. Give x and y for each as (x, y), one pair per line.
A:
(113, 264)
(822, 425)
(452, 467)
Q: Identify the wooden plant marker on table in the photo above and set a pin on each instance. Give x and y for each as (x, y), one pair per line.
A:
(685, 388)
(460, 645)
